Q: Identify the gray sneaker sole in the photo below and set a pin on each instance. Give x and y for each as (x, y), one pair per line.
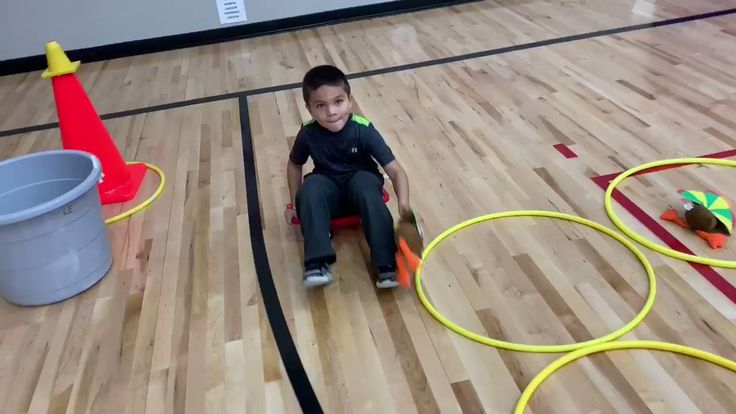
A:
(316, 281)
(386, 284)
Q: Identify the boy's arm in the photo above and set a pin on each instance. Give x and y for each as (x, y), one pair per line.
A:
(401, 185)
(294, 179)
(385, 157)
(297, 157)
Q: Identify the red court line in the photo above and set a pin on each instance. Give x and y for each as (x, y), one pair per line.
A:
(565, 151)
(708, 272)
(669, 239)
(722, 154)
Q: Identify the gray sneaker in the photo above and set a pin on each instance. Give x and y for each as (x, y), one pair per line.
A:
(317, 277)
(386, 280)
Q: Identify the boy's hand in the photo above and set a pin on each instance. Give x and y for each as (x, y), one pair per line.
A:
(290, 214)
(404, 209)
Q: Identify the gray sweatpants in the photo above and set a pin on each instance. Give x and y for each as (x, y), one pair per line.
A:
(322, 198)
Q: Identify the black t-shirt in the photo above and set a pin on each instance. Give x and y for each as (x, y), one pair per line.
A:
(358, 146)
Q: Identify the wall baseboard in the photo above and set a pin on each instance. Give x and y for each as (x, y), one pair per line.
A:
(225, 34)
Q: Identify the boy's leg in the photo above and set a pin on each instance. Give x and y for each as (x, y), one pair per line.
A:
(364, 192)
(316, 201)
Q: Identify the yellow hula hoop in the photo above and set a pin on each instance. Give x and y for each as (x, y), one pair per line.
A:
(580, 353)
(647, 243)
(148, 201)
(536, 348)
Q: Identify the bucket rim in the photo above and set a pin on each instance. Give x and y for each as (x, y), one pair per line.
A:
(74, 193)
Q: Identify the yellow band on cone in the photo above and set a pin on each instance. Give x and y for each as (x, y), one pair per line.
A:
(59, 63)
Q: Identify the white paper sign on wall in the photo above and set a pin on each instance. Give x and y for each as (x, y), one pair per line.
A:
(231, 11)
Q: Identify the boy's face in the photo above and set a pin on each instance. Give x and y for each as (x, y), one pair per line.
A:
(330, 106)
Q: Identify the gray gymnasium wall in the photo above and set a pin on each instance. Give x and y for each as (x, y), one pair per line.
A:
(26, 25)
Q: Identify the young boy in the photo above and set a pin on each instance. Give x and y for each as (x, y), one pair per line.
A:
(344, 148)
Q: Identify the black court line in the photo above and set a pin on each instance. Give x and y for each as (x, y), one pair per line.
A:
(284, 341)
(392, 69)
(132, 112)
(231, 33)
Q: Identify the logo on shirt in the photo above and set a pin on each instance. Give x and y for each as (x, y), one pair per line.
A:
(354, 150)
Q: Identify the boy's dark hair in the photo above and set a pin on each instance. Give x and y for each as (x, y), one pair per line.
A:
(323, 75)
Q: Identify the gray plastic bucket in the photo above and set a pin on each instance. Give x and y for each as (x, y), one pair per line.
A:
(53, 238)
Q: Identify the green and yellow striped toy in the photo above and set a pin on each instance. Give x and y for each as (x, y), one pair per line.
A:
(718, 205)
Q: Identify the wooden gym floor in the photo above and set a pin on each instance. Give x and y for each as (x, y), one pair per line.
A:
(473, 99)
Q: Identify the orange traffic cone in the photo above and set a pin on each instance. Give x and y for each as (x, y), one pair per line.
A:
(82, 129)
